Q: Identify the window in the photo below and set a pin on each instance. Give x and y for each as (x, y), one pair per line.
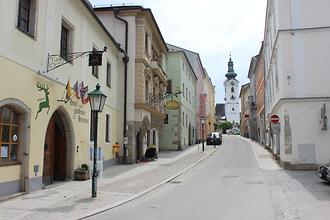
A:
(95, 69)
(64, 43)
(9, 134)
(183, 118)
(146, 89)
(189, 97)
(27, 16)
(91, 129)
(108, 74)
(233, 109)
(186, 120)
(166, 119)
(169, 86)
(183, 89)
(107, 128)
(187, 93)
(146, 42)
(232, 89)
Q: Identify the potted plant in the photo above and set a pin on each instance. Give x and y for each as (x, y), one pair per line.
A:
(82, 173)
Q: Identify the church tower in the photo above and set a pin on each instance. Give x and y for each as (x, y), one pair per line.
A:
(232, 109)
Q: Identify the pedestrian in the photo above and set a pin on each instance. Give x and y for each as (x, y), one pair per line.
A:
(115, 150)
(214, 140)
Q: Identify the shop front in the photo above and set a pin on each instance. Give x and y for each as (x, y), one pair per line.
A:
(43, 138)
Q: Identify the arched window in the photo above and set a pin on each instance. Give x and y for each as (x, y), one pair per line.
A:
(9, 135)
(233, 109)
(232, 89)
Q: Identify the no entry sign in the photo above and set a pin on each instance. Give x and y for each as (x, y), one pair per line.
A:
(275, 119)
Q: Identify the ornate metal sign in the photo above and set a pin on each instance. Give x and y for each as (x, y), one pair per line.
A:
(172, 104)
(56, 60)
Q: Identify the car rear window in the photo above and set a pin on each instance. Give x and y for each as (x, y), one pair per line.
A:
(216, 135)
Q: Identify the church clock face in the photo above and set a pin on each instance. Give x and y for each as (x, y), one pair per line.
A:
(232, 83)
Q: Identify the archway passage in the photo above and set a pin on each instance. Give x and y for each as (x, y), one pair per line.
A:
(55, 151)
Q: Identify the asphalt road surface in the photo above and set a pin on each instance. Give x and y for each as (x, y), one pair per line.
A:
(231, 185)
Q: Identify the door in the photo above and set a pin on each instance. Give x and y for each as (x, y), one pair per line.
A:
(55, 149)
(47, 175)
(59, 151)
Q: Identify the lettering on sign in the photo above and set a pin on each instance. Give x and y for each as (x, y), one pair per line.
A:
(78, 112)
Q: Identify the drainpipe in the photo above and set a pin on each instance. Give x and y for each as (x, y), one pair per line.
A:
(125, 60)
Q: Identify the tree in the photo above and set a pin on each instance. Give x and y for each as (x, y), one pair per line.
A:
(225, 125)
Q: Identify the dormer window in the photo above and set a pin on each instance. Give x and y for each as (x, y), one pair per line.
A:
(232, 89)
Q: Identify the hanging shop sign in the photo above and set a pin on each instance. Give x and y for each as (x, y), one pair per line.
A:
(172, 104)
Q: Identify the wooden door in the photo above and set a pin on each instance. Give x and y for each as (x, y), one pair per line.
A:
(59, 151)
(47, 175)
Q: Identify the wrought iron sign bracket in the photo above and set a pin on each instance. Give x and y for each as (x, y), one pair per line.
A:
(171, 95)
(56, 60)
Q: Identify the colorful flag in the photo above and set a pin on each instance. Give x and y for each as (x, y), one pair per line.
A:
(68, 90)
(76, 90)
(81, 89)
(85, 99)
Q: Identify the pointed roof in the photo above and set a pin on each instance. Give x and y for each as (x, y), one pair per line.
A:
(231, 73)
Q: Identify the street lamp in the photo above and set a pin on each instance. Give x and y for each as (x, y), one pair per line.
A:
(97, 101)
(202, 122)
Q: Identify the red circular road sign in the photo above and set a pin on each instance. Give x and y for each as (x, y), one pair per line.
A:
(275, 119)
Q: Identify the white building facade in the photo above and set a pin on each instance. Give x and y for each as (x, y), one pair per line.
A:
(231, 85)
(297, 51)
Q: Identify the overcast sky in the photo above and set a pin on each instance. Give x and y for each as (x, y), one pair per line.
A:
(212, 28)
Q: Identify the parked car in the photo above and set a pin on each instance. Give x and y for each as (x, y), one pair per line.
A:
(324, 172)
(214, 138)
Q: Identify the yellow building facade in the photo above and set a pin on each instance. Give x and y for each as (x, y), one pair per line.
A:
(210, 104)
(45, 117)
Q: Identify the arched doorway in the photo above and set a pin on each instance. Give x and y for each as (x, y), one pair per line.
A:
(56, 153)
(140, 139)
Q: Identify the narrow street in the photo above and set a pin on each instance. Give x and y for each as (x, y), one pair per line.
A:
(236, 182)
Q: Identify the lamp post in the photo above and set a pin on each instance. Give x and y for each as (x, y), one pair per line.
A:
(202, 122)
(97, 101)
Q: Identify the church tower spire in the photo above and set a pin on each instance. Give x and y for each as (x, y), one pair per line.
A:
(231, 73)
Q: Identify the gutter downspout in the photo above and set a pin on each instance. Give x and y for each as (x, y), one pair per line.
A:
(125, 60)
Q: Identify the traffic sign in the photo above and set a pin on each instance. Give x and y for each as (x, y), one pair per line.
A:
(275, 119)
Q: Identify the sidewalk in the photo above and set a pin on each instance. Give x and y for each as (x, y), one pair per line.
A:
(120, 184)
